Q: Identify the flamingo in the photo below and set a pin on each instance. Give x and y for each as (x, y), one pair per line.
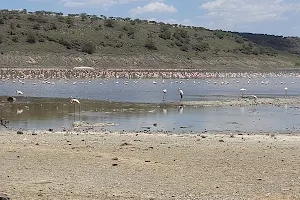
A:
(180, 93)
(76, 101)
(19, 92)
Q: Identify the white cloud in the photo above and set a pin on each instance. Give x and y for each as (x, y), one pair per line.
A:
(155, 7)
(232, 12)
(104, 3)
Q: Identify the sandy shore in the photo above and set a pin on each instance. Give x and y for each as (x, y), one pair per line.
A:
(149, 166)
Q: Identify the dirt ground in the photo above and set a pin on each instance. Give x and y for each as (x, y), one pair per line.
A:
(136, 166)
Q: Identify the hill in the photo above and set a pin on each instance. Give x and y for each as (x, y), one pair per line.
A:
(49, 39)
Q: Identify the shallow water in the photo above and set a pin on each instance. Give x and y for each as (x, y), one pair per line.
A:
(46, 113)
(122, 90)
(46, 105)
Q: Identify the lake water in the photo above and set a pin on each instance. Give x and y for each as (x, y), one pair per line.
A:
(46, 105)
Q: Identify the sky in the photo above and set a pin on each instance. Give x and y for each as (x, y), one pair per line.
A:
(276, 17)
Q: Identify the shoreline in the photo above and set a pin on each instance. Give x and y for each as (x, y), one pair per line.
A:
(149, 166)
(66, 73)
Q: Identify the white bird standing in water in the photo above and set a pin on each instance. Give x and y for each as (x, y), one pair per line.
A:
(285, 91)
(76, 101)
(180, 93)
(242, 91)
(165, 92)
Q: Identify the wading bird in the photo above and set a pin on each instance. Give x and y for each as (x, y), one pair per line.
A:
(19, 92)
(164, 91)
(180, 93)
(76, 101)
(285, 91)
(242, 91)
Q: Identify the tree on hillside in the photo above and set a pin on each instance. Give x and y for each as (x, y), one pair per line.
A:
(30, 37)
(83, 16)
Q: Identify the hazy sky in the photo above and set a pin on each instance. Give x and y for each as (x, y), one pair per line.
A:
(279, 17)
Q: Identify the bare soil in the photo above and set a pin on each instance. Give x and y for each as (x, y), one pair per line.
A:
(44, 165)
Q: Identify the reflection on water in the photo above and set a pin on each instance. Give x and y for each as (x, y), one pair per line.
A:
(45, 113)
(145, 91)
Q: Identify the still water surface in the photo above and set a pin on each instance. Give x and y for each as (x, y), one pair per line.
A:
(46, 105)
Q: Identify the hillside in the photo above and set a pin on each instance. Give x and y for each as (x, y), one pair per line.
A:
(47, 39)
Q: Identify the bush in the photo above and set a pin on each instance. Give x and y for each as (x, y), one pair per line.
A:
(30, 38)
(219, 34)
(69, 20)
(129, 30)
(150, 44)
(239, 39)
(204, 46)
(60, 19)
(1, 20)
(65, 43)
(1, 38)
(31, 18)
(184, 48)
(109, 23)
(165, 35)
(53, 26)
(182, 33)
(89, 48)
(36, 27)
(15, 39)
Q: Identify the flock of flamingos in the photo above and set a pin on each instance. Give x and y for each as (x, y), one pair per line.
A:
(49, 76)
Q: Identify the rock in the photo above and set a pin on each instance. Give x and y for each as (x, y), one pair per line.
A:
(20, 132)
(221, 140)
(125, 144)
(115, 158)
(11, 99)
(50, 129)
(4, 197)
(114, 164)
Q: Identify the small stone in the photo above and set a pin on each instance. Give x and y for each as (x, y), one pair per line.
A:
(50, 129)
(147, 160)
(221, 140)
(20, 132)
(125, 144)
(115, 158)
(114, 164)
(203, 136)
